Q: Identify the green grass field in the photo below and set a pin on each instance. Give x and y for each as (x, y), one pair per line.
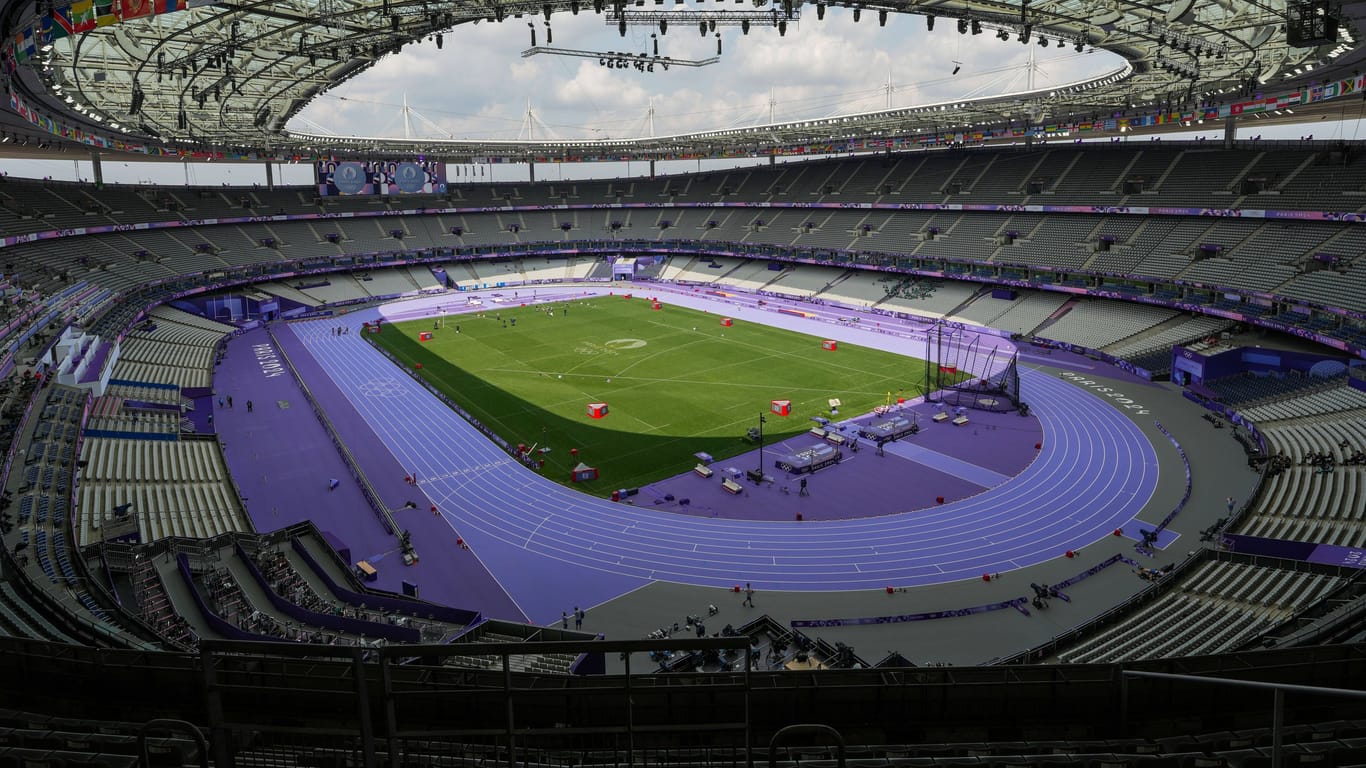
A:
(676, 381)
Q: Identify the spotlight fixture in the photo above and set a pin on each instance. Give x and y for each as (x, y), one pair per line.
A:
(929, 22)
(820, 11)
(858, 12)
(882, 18)
(744, 26)
(782, 28)
(962, 26)
(957, 65)
(976, 27)
(1179, 68)
(1024, 35)
(663, 26)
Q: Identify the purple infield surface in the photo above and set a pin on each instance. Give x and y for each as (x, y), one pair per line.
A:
(537, 547)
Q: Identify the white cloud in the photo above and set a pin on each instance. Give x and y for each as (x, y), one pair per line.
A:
(478, 86)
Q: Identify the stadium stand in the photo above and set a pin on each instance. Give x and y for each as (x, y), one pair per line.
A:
(1306, 504)
(928, 298)
(1161, 338)
(1248, 389)
(1216, 608)
(1341, 398)
(1098, 324)
(1021, 315)
(177, 487)
(1208, 613)
(800, 283)
(172, 347)
(859, 289)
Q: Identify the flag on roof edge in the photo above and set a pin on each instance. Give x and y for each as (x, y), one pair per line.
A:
(83, 15)
(106, 12)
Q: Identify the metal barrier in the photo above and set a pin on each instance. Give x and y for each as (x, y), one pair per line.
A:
(809, 730)
(1278, 691)
(382, 699)
(174, 726)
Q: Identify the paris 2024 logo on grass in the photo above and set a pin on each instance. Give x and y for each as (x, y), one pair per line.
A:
(588, 348)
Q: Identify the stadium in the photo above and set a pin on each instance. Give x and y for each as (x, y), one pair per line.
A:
(995, 431)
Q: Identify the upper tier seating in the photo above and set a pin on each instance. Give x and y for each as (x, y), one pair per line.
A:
(176, 488)
(1097, 323)
(1215, 609)
(1255, 255)
(1337, 399)
(173, 347)
(1247, 389)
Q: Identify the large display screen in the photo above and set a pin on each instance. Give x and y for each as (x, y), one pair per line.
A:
(347, 177)
(383, 177)
(408, 177)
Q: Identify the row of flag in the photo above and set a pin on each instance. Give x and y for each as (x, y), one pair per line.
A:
(86, 15)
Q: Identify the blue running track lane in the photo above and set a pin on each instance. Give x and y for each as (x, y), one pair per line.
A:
(1095, 473)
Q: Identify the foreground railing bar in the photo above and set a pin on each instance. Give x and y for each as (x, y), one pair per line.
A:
(299, 651)
(597, 730)
(1278, 691)
(1256, 684)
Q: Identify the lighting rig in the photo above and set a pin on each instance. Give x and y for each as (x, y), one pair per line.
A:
(641, 62)
(1181, 41)
(1178, 68)
(704, 21)
(615, 13)
(1007, 26)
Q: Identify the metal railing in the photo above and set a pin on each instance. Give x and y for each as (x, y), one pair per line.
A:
(1278, 691)
(514, 711)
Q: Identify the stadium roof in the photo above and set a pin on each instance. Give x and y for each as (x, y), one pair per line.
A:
(222, 79)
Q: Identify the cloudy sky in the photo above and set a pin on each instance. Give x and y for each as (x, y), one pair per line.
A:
(478, 86)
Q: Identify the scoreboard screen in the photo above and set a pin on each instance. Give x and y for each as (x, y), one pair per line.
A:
(347, 177)
(414, 177)
(381, 177)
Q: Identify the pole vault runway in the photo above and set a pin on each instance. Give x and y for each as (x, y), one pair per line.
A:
(1095, 473)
